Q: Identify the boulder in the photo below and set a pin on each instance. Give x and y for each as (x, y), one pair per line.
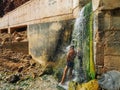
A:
(110, 80)
(13, 78)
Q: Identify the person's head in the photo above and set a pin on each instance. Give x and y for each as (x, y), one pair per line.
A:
(72, 47)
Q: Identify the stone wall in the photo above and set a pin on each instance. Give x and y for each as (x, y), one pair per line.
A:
(49, 20)
(107, 32)
(47, 40)
(49, 25)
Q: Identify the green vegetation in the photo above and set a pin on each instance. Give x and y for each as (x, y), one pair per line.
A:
(87, 43)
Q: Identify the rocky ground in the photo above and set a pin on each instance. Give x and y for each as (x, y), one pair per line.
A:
(20, 72)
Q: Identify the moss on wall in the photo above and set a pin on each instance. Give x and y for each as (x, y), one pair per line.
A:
(47, 41)
(88, 43)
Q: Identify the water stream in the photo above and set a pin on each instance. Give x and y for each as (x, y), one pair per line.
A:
(82, 38)
(77, 39)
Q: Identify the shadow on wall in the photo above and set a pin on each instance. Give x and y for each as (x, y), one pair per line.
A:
(47, 40)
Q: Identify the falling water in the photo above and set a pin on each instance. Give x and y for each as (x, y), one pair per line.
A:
(77, 39)
(82, 39)
(79, 26)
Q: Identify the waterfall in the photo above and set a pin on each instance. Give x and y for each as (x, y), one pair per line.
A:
(77, 39)
(79, 26)
(82, 39)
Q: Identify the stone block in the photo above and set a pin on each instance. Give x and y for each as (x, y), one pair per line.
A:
(112, 19)
(112, 36)
(100, 59)
(107, 21)
(105, 4)
(112, 48)
(99, 48)
(99, 21)
(99, 54)
(115, 23)
(112, 62)
(112, 42)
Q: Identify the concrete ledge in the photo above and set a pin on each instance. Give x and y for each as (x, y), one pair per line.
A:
(39, 11)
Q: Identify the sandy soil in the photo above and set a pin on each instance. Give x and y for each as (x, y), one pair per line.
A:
(28, 72)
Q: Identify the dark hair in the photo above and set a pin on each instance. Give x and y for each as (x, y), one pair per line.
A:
(72, 46)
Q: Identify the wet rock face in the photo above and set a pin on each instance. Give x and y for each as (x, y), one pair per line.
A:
(46, 40)
(8, 5)
(91, 85)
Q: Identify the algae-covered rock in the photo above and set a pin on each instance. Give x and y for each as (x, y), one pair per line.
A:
(72, 85)
(91, 85)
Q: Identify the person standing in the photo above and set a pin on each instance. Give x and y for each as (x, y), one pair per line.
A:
(69, 63)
